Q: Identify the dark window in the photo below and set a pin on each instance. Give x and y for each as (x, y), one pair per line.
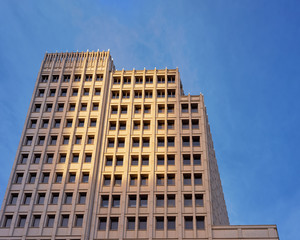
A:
(119, 161)
(22, 221)
(171, 79)
(107, 179)
(54, 198)
(19, 178)
(116, 201)
(138, 79)
(44, 78)
(85, 177)
(49, 158)
(187, 200)
(171, 93)
(136, 125)
(160, 79)
(52, 92)
(187, 179)
(115, 94)
(144, 180)
(68, 198)
(130, 223)
(27, 198)
(72, 177)
(171, 179)
(112, 125)
(160, 93)
(196, 141)
(93, 123)
(186, 141)
(41, 198)
(171, 223)
(171, 124)
(200, 225)
(171, 141)
(78, 139)
(90, 139)
(28, 141)
(194, 107)
(147, 109)
(37, 108)
(134, 160)
(145, 160)
(132, 201)
(133, 180)
(188, 222)
(55, 78)
(135, 142)
(67, 78)
(104, 201)
(109, 161)
(117, 80)
(185, 124)
(160, 141)
(186, 159)
(60, 107)
(62, 158)
(114, 223)
(45, 177)
(102, 223)
(72, 107)
(79, 220)
(171, 200)
(36, 158)
(63, 92)
(50, 220)
(160, 159)
(53, 140)
(88, 158)
(77, 78)
(41, 140)
(138, 94)
(148, 94)
(137, 109)
(111, 142)
(118, 180)
(33, 123)
(197, 159)
(36, 221)
(160, 124)
(146, 125)
(75, 92)
(123, 109)
(13, 198)
(86, 91)
(122, 125)
(75, 158)
(66, 139)
(160, 180)
(195, 123)
(32, 177)
(149, 79)
(161, 108)
(95, 106)
(7, 221)
(121, 142)
(160, 199)
(142, 223)
(199, 200)
(159, 223)
(198, 179)
(99, 77)
(64, 220)
(56, 123)
(23, 159)
(97, 91)
(83, 106)
(170, 108)
(82, 198)
(88, 78)
(81, 123)
(58, 178)
(143, 200)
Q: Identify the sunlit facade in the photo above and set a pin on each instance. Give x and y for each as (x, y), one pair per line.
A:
(109, 154)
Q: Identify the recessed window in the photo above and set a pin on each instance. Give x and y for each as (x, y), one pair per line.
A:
(197, 159)
(86, 91)
(33, 123)
(123, 109)
(138, 94)
(187, 200)
(97, 91)
(112, 125)
(195, 124)
(171, 93)
(145, 160)
(171, 224)
(138, 79)
(160, 93)
(196, 141)
(144, 180)
(55, 78)
(72, 177)
(160, 159)
(23, 159)
(54, 198)
(63, 92)
(122, 125)
(186, 159)
(64, 220)
(148, 94)
(160, 180)
(194, 107)
(72, 107)
(45, 177)
(161, 108)
(60, 107)
(127, 80)
(135, 142)
(159, 223)
(78, 220)
(188, 223)
(107, 180)
(171, 79)
(146, 142)
(121, 142)
(200, 222)
(109, 161)
(56, 123)
(115, 95)
(116, 201)
(104, 201)
(147, 109)
(13, 198)
(114, 223)
(198, 179)
(49, 158)
(88, 78)
(32, 177)
(170, 108)
(142, 223)
(85, 177)
(130, 223)
(137, 109)
(171, 179)
(118, 180)
(95, 106)
(53, 140)
(90, 139)
(82, 198)
(160, 124)
(136, 125)
(28, 140)
(77, 78)
(171, 200)
(133, 180)
(185, 124)
(117, 80)
(185, 141)
(41, 140)
(102, 223)
(75, 158)
(44, 78)
(50, 220)
(37, 108)
(146, 125)
(119, 161)
(41, 198)
(81, 123)
(160, 79)
(83, 107)
(171, 159)
(93, 122)
(143, 200)
(199, 200)
(132, 201)
(66, 140)
(75, 92)
(149, 79)
(134, 160)
(68, 198)
(41, 92)
(171, 141)
(7, 221)
(66, 78)
(22, 219)
(52, 92)
(58, 178)
(187, 179)
(99, 77)
(69, 123)
(160, 199)
(36, 158)
(110, 142)
(62, 158)
(171, 124)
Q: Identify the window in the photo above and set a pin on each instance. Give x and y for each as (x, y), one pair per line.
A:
(54, 198)
(75, 92)
(49, 158)
(111, 142)
(88, 157)
(161, 108)
(7, 221)
(186, 141)
(95, 106)
(112, 125)
(171, 159)
(148, 94)
(63, 92)
(185, 124)
(200, 222)
(50, 220)
(64, 220)
(109, 161)
(83, 107)
(28, 140)
(72, 107)
(187, 179)
(97, 91)
(115, 95)
(171, 200)
(194, 107)
(41, 140)
(93, 122)
(146, 125)
(137, 109)
(81, 123)
(121, 142)
(171, 224)
(90, 139)
(160, 124)
(78, 220)
(171, 141)
(127, 80)
(135, 142)
(27, 198)
(19, 178)
(160, 180)
(160, 79)
(85, 177)
(72, 177)
(22, 221)
(134, 160)
(160, 93)
(188, 223)
(145, 160)
(116, 201)
(33, 123)
(147, 109)
(48, 107)
(118, 180)
(102, 223)
(41, 93)
(114, 223)
(196, 141)
(138, 79)
(142, 223)
(75, 158)
(171, 79)
(23, 159)
(197, 159)
(37, 108)
(104, 201)
(149, 79)
(136, 125)
(159, 223)
(58, 178)
(56, 123)
(41, 198)
(160, 159)
(186, 159)
(66, 78)
(138, 94)
(170, 124)
(171, 93)
(123, 109)
(60, 107)
(198, 179)
(68, 198)
(122, 125)
(199, 200)
(36, 221)
(187, 200)
(117, 80)
(52, 92)
(36, 158)
(44, 78)
(13, 198)
(99, 77)
(170, 108)
(130, 223)
(53, 140)
(119, 161)
(133, 180)
(160, 142)
(62, 158)
(88, 78)
(77, 78)
(160, 199)
(55, 78)
(195, 124)
(106, 181)
(143, 200)
(82, 198)
(86, 91)
(132, 201)
(66, 140)
(45, 177)
(144, 180)
(171, 179)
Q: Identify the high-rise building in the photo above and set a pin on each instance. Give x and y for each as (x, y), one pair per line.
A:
(109, 154)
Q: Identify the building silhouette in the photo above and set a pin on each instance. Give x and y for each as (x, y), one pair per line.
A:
(109, 154)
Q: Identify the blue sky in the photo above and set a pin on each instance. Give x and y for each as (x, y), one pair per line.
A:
(244, 56)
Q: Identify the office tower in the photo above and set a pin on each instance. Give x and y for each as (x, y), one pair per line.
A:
(118, 155)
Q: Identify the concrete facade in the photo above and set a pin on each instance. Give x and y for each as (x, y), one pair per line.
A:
(109, 154)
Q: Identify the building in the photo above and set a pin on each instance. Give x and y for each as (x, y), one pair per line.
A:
(115, 154)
